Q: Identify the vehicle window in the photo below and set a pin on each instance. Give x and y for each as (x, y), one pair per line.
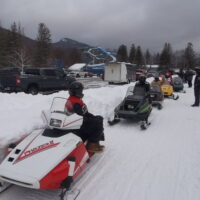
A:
(32, 71)
(59, 73)
(49, 72)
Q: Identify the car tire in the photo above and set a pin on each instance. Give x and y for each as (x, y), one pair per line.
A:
(33, 90)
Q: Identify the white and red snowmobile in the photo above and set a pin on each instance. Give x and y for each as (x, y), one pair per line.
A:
(49, 158)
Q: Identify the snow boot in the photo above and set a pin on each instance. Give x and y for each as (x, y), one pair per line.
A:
(94, 147)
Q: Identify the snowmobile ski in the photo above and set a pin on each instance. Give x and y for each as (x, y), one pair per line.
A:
(4, 186)
(69, 194)
(144, 125)
(114, 121)
(175, 97)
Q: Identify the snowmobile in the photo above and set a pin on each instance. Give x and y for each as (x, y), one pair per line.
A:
(156, 96)
(177, 84)
(168, 91)
(135, 106)
(49, 158)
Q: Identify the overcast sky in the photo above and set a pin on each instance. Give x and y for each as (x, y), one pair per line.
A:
(109, 23)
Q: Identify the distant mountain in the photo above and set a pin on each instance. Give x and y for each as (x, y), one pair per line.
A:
(67, 43)
(64, 43)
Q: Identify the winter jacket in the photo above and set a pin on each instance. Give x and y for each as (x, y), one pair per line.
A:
(197, 82)
(189, 75)
(159, 83)
(145, 85)
(76, 105)
(92, 127)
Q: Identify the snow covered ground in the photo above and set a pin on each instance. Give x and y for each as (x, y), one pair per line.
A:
(160, 163)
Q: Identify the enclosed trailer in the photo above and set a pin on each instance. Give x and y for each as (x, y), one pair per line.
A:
(119, 72)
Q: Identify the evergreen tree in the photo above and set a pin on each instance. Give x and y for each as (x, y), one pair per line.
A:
(43, 46)
(132, 54)
(122, 54)
(166, 57)
(139, 59)
(189, 55)
(3, 59)
(73, 56)
(13, 44)
(148, 57)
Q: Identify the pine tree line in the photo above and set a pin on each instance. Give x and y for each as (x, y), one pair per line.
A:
(186, 58)
(14, 52)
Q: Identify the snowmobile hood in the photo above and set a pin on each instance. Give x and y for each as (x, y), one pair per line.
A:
(35, 156)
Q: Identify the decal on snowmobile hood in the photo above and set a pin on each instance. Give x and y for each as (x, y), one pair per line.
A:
(26, 153)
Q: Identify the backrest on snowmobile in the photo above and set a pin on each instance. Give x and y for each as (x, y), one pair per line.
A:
(139, 91)
(155, 89)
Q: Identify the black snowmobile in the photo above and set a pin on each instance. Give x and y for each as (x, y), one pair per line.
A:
(156, 96)
(135, 106)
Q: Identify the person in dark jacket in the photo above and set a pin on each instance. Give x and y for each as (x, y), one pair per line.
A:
(142, 83)
(182, 74)
(92, 126)
(197, 87)
(189, 76)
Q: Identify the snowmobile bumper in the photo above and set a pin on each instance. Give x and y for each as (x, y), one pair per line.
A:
(19, 179)
(132, 115)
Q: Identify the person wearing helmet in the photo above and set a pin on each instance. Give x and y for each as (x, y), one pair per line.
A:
(157, 81)
(92, 127)
(197, 87)
(168, 77)
(189, 76)
(142, 83)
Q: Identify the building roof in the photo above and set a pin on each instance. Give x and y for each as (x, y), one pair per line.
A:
(77, 66)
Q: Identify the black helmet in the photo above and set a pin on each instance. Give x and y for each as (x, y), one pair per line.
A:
(167, 75)
(156, 79)
(197, 69)
(76, 89)
(142, 79)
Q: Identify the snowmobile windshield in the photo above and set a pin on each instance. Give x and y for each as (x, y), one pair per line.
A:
(135, 93)
(58, 106)
(139, 91)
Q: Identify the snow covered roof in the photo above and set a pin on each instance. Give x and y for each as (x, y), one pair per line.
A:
(152, 66)
(77, 66)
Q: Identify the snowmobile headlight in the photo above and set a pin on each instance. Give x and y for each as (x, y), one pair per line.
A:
(55, 122)
(130, 106)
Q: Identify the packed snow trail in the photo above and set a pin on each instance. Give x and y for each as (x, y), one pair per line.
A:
(160, 163)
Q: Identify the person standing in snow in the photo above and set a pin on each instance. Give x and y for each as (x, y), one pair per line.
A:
(92, 127)
(197, 87)
(189, 76)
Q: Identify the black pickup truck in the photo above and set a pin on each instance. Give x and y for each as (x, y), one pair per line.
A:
(34, 80)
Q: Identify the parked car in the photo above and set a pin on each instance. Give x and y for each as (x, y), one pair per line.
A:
(34, 80)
